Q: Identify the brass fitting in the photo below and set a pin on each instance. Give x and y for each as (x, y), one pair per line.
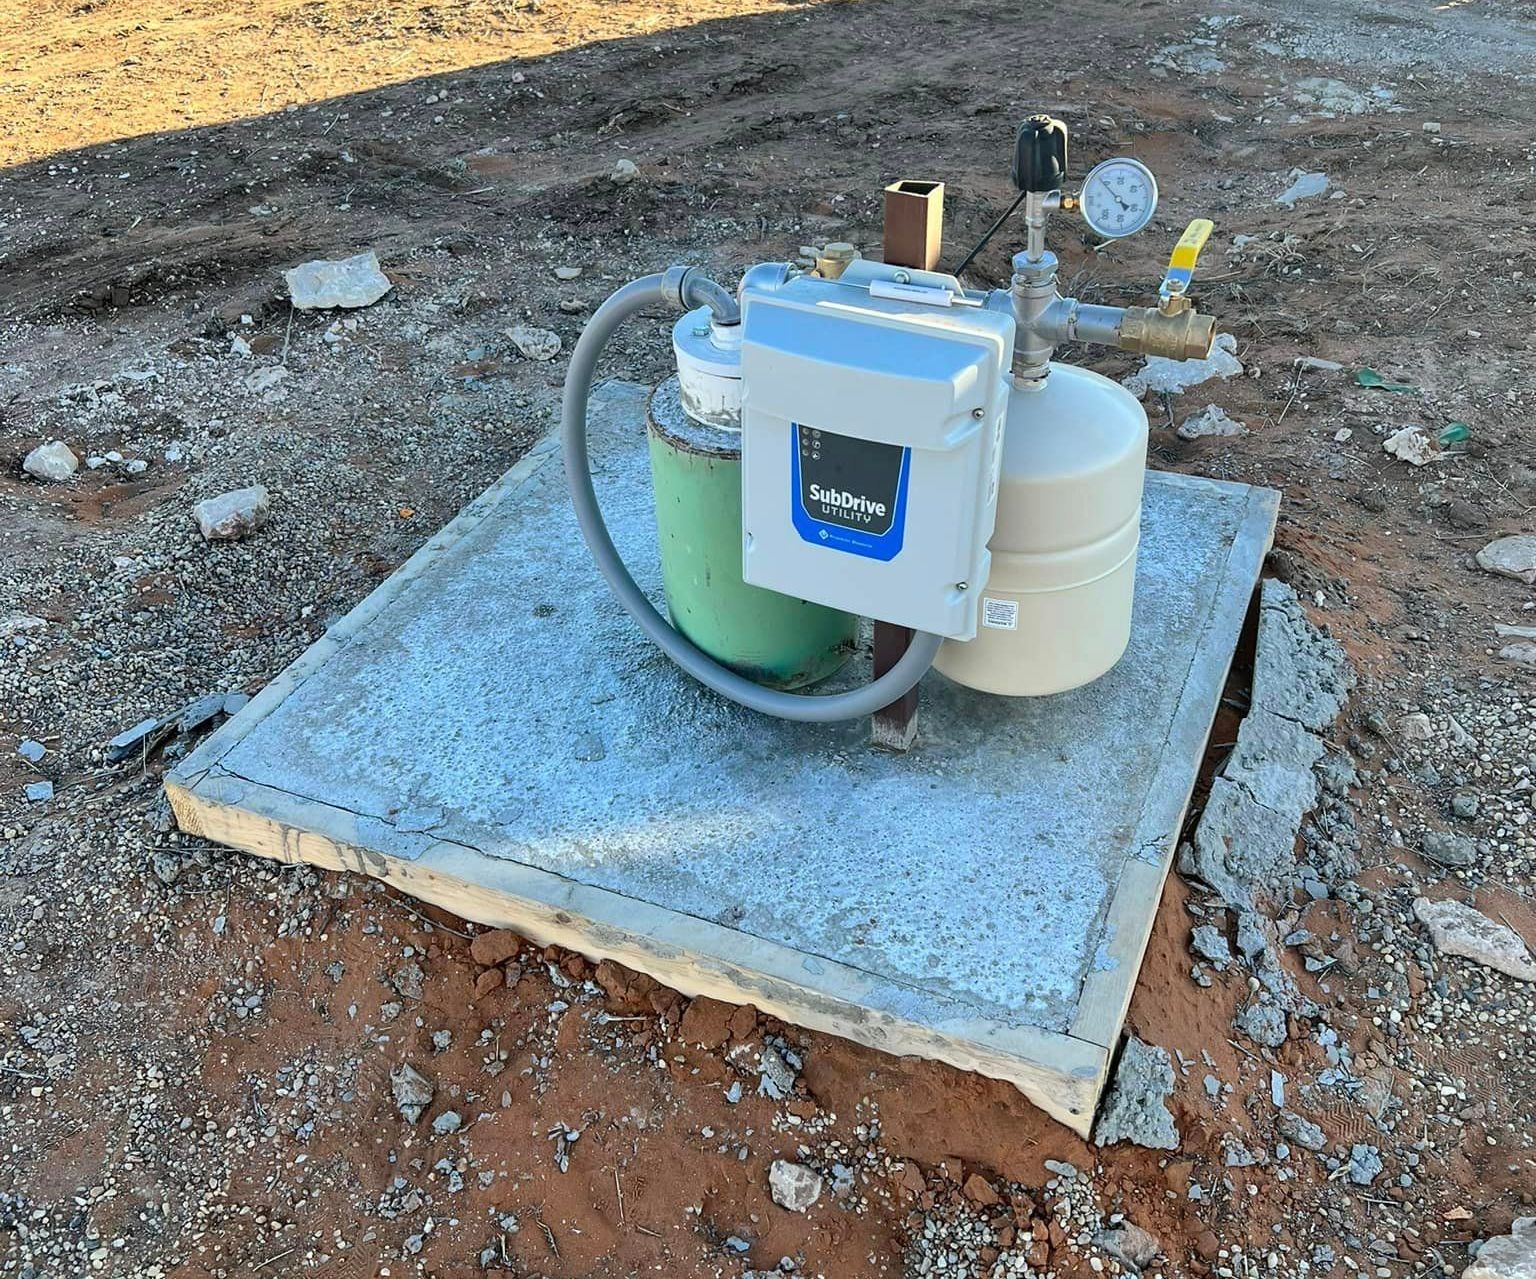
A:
(1180, 335)
(833, 260)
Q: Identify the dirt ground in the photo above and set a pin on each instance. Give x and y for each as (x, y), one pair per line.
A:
(196, 1048)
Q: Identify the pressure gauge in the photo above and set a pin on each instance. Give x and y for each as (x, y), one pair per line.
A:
(1118, 197)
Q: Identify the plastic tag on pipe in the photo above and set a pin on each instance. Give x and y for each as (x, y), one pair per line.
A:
(923, 293)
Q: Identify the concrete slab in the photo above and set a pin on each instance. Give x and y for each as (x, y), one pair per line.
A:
(491, 732)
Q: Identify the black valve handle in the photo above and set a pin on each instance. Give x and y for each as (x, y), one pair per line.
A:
(1040, 154)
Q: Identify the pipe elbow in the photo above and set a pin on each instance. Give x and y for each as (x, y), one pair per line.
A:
(689, 287)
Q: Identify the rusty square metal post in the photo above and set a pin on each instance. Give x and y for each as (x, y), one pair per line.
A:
(914, 232)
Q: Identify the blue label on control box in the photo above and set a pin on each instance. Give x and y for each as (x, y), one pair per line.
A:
(848, 495)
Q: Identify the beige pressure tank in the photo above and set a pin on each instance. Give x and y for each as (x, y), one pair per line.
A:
(1056, 610)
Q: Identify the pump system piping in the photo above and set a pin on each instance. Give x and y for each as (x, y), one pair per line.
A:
(684, 287)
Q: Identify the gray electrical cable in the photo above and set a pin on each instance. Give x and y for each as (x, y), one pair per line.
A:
(690, 290)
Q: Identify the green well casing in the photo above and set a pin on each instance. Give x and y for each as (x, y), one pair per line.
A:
(772, 639)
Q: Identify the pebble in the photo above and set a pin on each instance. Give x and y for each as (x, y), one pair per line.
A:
(624, 172)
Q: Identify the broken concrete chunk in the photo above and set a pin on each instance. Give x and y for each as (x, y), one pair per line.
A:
(1511, 557)
(233, 515)
(793, 1186)
(1214, 421)
(1210, 945)
(1273, 760)
(1299, 673)
(1511, 1256)
(53, 462)
(1134, 1108)
(413, 1091)
(1173, 376)
(1457, 929)
(1264, 1024)
(131, 740)
(348, 282)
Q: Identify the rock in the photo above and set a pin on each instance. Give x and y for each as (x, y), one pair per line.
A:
(14, 624)
(1304, 186)
(979, 1190)
(52, 462)
(535, 344)
(1214, 421)
(1364, 1164)
(349, 282)
(165, 866)
(233, 515)
(1457, 929)
(1264, 1024)
(1521, 653)
(1317, 364)
(1448, 849)
(447, 1122)
(624, 172)
(1299, 673)
(1511, 557)
(1173, 376)
(567, 272)
(413, 1091)
(1303, 1132)
(492, 949)
(1511, 1256)
(1416, 728)
(793, 1186)
(1412, 444)
(1129, 1244)
(490, 980)
(1134, 1108)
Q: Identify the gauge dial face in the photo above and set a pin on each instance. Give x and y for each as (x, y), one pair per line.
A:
(1118, 197)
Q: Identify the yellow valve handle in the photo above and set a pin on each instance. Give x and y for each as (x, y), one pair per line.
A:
(1181, 265)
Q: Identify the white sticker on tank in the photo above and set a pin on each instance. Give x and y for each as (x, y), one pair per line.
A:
(1000, 615)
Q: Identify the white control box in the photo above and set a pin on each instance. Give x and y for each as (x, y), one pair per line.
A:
(872, 424)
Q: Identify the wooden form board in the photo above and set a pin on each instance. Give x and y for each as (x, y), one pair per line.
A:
(292, 778)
